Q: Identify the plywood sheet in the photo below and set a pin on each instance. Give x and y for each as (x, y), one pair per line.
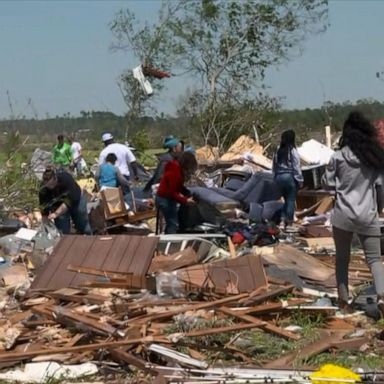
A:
(120, 253)
(242, 274)
(304, 265)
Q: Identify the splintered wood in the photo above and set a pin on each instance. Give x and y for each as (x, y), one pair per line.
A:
(106, 307)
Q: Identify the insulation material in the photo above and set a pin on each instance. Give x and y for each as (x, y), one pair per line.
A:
(313, 152)
(244, 144)
(207, 153)
(246, 148)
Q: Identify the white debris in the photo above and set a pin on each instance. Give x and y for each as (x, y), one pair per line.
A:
(41, 372)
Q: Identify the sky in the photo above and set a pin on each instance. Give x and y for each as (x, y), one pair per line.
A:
(57, 54)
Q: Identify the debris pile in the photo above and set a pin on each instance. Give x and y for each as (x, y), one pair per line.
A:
(235, 300)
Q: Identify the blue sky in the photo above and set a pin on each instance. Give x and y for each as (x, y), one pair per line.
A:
(57, 53)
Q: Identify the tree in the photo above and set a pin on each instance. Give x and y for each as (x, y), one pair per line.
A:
(226, 46)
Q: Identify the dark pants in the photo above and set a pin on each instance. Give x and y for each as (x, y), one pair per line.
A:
(168, 208)
(288, 189)
(79, 217)
(372, 251)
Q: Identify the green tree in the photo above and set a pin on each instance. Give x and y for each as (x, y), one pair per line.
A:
(225, 45)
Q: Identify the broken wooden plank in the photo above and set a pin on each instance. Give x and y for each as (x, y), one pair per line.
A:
(326, 204)
(311, 349)
(63, 314)
(121, 356)
(267, 327)
(214, 331)
(169, 263)
(18, 356)
(97, 272)
(192, 307)
(269, 295)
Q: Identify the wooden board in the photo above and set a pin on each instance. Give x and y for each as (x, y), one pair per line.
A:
(241, 274)
(304, 265)
(120, 253)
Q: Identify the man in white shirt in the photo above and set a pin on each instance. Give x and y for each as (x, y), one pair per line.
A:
(124, 155)
(76, 155)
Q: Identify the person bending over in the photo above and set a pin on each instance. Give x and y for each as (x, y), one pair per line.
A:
(61, 200)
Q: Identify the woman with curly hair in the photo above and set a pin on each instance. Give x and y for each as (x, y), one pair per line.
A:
(354, 172)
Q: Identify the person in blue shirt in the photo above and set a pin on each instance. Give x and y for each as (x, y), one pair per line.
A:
(109, 175)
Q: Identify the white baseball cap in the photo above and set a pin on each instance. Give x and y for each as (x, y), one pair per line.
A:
(106, 137)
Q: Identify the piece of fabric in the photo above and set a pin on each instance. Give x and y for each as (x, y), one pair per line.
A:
(355, 185)
(172, 183)
(269, 210)
(62, 155)
(292, 166)
(372, 251)
(67, 191)
(168, 208)
(288, 189)
(124, 156)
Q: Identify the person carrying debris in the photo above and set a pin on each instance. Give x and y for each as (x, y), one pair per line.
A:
(354, 172)
(62, 154)
(125, 158)
(172, 191)
(288, 177)
(174, 146)
(61, 199)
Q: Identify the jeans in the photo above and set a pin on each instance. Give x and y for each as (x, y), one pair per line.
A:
(79, 217)
(78, 168)
(288, 189)
(168, 208)
(372, 252)
(125, 188)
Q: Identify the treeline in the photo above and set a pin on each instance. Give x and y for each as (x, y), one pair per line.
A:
(149, 131)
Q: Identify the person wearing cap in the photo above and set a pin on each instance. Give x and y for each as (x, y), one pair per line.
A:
(61, 200)
(174, 147)
(62, 153)
(124, 155)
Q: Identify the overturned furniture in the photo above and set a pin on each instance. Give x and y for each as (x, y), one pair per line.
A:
(241, 190)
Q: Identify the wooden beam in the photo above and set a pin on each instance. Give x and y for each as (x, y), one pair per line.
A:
(18, 356)
(193, 307)
(214, 331)
(267, 327)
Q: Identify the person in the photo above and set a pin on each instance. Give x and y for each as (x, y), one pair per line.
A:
(62, 154)
(109, 175)
(61, 199)
(174, 146)
(125, 158)
(172, 191)
(354, 173)
(288, 176)
(76, 155)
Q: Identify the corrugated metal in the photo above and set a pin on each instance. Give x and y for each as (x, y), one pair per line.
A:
(118, 253)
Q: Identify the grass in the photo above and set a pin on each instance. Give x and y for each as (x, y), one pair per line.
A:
(349, 359)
